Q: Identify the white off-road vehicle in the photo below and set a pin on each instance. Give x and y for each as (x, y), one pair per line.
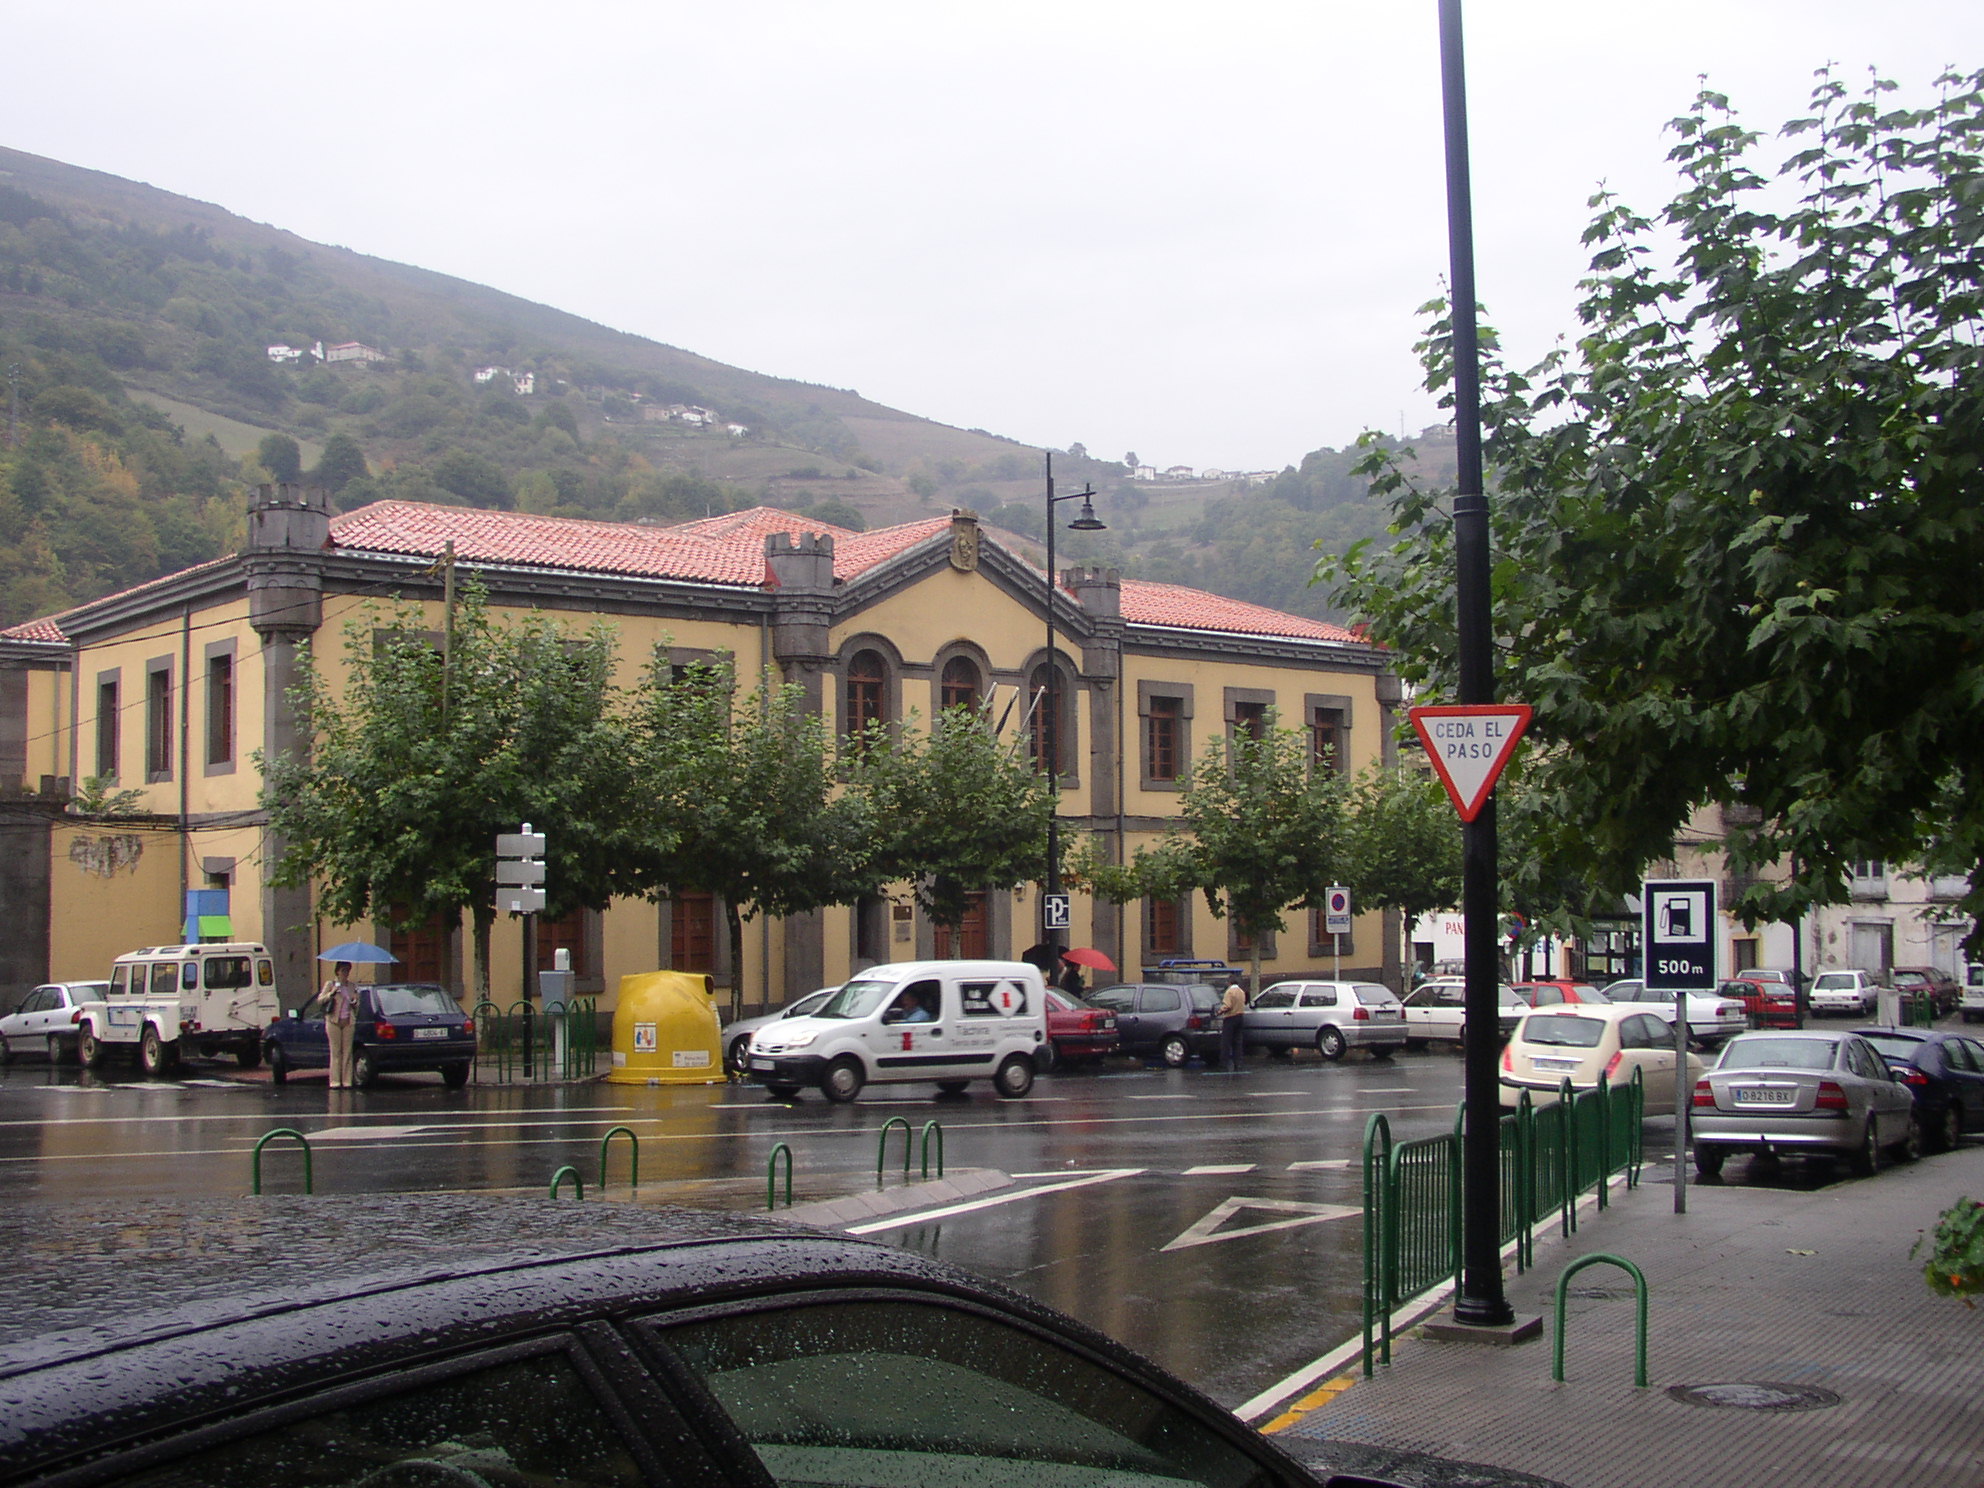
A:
(167, 1000)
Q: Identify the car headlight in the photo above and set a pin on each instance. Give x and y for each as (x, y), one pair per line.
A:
(800, 1041)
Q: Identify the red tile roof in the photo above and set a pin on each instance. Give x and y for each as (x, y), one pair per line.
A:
(727, 549)
(1145, 603)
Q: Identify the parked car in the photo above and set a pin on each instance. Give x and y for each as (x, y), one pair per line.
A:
(1917, 982)
(1712, 1017)
(402, 1027)
(1973, 991)
(1078, 1032)
(1330, 1017)
(1792, 979)
(45, 1022)
(510, 1347)
(1766, 1004)
(1174, 1023)
(1181, 971)
(1436, 1010)
(1846, 994)
(1802, 1090)
(1550, 991)
(1945, 1074)
(737, 1036)
(1580, 1042)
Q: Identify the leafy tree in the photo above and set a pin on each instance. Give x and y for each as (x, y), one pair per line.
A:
(952, 812)
(1401, 843)
(342, 462)
(416, 763)
(1260, 831)
(838, 513)
(477, 479)
(738, 800)
(279, 455)
(1737, 527)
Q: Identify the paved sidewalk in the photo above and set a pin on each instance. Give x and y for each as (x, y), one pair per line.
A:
(1756, 1286)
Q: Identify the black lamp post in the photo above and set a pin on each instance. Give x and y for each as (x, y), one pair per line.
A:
(1047, 718)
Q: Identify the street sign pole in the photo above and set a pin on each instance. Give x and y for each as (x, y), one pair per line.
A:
(520, 890)
(1677, 951)
(1336, 920)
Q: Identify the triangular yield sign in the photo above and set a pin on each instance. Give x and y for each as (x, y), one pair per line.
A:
(1203, 1233)
(1469, 746)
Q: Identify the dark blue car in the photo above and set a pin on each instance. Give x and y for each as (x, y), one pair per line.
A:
(1945, 1071)
(401, 1026)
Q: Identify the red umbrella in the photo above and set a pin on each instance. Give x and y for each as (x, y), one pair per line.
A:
(1084, 956)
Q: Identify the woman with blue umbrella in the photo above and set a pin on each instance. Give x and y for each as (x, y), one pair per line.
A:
(340, 997)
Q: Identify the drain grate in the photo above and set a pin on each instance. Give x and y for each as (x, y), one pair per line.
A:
(1759, 1395)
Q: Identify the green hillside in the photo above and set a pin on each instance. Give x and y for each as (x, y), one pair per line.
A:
(134, 336)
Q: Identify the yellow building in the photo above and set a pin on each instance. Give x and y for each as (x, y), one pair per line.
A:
(168, 688)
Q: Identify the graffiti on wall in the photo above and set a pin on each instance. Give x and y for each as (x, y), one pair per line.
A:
(106, 856)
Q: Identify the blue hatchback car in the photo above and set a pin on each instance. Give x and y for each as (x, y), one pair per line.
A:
(401, 1026)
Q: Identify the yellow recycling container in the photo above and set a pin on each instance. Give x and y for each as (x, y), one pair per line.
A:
(665, 1031)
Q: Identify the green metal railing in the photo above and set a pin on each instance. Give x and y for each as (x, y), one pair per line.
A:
(882, 1148)
(1549, 1157)
(565, 1043)
(558, 1181)
(932, 1129)
(771, 1176)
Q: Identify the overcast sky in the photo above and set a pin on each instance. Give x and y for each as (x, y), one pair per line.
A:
(1196, 231)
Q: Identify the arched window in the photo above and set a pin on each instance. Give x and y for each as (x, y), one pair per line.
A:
(959, 686)
(867, 691)
(1049, 739)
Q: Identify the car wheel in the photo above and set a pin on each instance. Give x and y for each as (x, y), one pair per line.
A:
(1384, 1051)
(737, 1058)
(1014, 1078)
(1174, 1051)
(1971, 1015)
(247, 1055)
(278, 1066)
(89, 1049)
(152, 1056)
(1330, 1043)
(1278, 1051)
(454, 1076)
(953, 1087)
(843, 1080)
(1415, 1046)
(364, 1070)
(1909, 1148)
(1867, 1161)
(1949, 1130)
(1708, 1160)
(7, 1050)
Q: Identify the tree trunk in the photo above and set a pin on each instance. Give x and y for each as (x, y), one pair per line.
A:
(484, 919)
(736, 924)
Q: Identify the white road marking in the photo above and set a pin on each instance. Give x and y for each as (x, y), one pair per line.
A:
(1160, 1097)
(1208, 1232)
(479, 1118)
(1321, 1163)
(362, 1133)
(1274, 1094)
(1229, 1168)
(924, 1216)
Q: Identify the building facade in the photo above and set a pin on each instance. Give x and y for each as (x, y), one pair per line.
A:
(167, 690)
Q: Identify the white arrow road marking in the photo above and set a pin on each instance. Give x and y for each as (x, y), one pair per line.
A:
(367, 1133)
(1219, 1168)
(1203, 1233)
(1327, 1162)
(922, 1216)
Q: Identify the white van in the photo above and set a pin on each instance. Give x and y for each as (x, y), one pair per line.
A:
(1973, 991)
(951, 1022)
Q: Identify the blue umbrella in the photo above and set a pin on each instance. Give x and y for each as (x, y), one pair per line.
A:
(357, 951)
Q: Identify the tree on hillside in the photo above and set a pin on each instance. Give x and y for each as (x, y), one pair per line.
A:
(1739, 527)
(342, 462)
(417, 761)
(278, 454)
(1261, 830)
(953, 811)
(738, 800)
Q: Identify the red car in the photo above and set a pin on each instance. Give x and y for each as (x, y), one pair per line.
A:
(1076, 1032)
(1551, 991)
(1766, 1003)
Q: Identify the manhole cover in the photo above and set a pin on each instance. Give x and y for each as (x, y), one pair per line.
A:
(1598, 1294)
(1755, 1395)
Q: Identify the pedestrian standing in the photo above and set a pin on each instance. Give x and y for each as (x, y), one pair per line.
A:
(1231, 1031)
(340, 998)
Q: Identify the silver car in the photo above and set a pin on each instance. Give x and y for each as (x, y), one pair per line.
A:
(737, 1036)
(1792, 1090)
(1329, 1017)
(45, 1022)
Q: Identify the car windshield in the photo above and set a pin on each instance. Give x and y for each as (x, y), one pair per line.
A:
(393, 1001)
(810, 1003)
(1896, 1045)
(858, 999)
(1372, 995)
(1563, 1030)
(1778, 1053)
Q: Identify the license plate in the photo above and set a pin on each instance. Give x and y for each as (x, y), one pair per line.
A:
(430, 1033)
(1753, 1095)
(1554, 1064)
(763, 1064)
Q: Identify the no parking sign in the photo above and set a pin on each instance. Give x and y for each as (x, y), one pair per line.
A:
(1336, 911)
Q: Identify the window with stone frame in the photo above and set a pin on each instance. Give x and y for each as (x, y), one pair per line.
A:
(1167, 927)
(960, 686)
(867, 691)
(692, 931)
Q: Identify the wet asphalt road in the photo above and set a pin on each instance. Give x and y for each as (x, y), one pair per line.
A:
(1211, 1221)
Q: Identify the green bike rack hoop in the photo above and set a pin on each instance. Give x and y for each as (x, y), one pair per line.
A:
(301, 1140)
(771, 1176)
(1639, 1325)
(930, 1129)
(578, 1182)
(633, 1157)
(882, 1148)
